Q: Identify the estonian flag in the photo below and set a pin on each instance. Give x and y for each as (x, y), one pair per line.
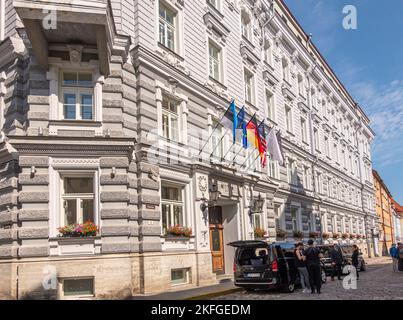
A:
(229, 119)
(240, 124)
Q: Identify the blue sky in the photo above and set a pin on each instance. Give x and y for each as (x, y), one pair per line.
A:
(369, 62)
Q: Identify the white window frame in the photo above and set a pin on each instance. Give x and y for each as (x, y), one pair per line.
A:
(272, 168)
(77, 91)
(78, 197)
(216, 5)
(171, 203)
(64, 166)
(217, 134)
(246, 27)
(183, 112)
(285, 69)
(170, 116)
(258, 216)
(187, 277)
(176, 7)
(304, 131)
(288, 120)
(316, 139)
(270, 105)
(297, 218)
(327, 146)
(67, 297)
(220, 61)
(56, 67)
(167, 26)
(301, 86)
(252, 85)
(268, 52)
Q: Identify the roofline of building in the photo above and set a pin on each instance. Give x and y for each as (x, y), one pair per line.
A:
(378, 177)
(323, 60)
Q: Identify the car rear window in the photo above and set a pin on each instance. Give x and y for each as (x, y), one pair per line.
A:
(253, 256)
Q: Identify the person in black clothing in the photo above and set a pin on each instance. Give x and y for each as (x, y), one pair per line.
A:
(337, 260)
(300, 263)
(354, 259)
(313, 263)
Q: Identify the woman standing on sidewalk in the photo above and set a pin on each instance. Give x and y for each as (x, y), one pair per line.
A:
(300, 263)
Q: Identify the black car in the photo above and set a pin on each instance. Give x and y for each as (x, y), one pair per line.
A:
(346, 251)
(262, 265)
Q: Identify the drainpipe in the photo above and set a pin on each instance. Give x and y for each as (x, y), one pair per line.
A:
(310, 115)
(271, 16)
(362, 198)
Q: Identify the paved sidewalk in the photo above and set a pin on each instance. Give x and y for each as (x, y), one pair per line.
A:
(197, 293)
(379, 282)
(228, 287)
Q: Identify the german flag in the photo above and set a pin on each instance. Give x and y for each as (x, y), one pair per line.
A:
(252, 132)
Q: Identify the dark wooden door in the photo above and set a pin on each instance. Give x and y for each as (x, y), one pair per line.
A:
(216, 239)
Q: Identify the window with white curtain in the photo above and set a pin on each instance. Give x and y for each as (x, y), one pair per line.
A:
(215, 62)
(249, 86)
(170, 118)
(167, 26)
(77, 195)
(270, 105)
(172, 206)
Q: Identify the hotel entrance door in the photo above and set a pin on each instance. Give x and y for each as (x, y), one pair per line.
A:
(216, 239)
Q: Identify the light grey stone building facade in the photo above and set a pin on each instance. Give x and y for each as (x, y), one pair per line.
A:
(104, 112)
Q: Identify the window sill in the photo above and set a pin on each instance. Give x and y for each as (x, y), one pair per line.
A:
(87, 123)
(173, 243)
(73, 246)
(174, 53)
(218, 83)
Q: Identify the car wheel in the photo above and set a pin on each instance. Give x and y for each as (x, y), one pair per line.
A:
(290, 288)
(324, 276)
(363, 266)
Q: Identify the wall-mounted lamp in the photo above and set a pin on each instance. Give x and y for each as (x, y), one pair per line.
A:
(214, 195)
(257, 205)
(113, 172)
(33, 171)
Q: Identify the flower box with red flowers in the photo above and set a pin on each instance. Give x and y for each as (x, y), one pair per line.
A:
(259, 233)
(179, 231)
(79, 230)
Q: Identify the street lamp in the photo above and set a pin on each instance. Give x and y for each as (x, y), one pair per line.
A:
(214, 195)
(257, 205)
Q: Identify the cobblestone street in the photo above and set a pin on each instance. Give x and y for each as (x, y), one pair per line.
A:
(377, 283)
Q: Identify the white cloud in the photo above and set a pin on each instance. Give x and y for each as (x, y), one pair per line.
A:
(384, 105)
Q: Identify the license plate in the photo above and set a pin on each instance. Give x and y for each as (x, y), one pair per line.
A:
(252, 275)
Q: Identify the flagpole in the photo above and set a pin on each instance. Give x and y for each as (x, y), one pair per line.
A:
(229, 149)
(247, 159)
(242, 148)
(253, 162)
(218, 123)
(219, 142)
